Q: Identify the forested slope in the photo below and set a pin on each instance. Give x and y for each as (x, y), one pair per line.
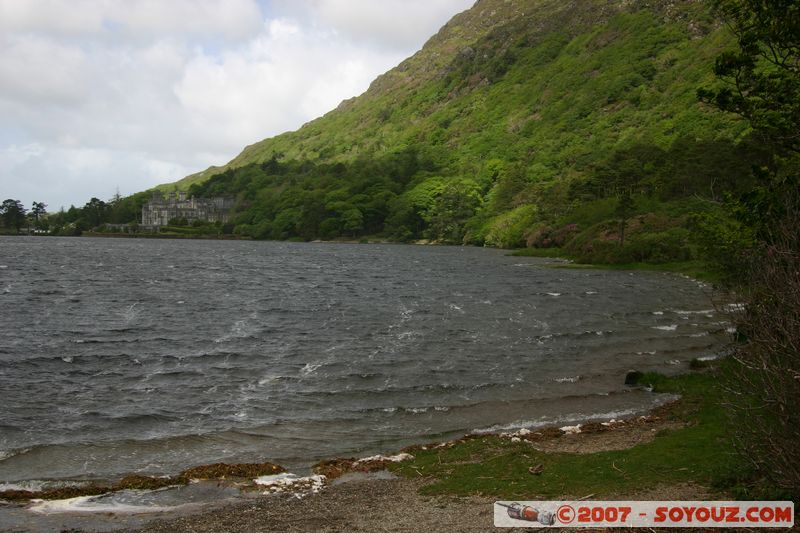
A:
(522, 122)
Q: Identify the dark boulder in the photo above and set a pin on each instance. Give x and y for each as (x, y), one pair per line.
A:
(632, 378)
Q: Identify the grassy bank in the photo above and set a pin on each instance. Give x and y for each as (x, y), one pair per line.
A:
(696, 269)
(695, 450)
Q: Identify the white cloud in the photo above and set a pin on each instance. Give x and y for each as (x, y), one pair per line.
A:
(51, 16)
(231, 19)
(61, 177)
(38, 70)
(256, 91)
(397, 24)
(96, 94)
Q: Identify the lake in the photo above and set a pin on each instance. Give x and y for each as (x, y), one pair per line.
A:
(151, 356)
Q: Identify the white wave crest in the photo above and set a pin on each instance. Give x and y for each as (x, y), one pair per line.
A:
(400, 457)
(241, 329)
(291, 483)
(7, 454)
(96, 504)
(309, 369)
(572, 418)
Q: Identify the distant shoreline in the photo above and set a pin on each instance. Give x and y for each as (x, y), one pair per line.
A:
(697, 270)
(164, 236)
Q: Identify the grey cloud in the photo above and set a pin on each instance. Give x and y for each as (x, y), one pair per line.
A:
(391, 24)
(96, 94)
(131, 19)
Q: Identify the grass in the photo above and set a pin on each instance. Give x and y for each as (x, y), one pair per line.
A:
(696, 269)
(492, 466)
(538, 252)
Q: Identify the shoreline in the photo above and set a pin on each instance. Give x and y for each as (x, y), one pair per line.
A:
(693, 269)
(332, 468)
(93, 235)
(400, 503)
(354, 487)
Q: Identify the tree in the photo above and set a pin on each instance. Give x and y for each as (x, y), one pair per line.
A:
(457, 202)
(352, 221)
(624, 210)
(38, 210)
(13, 214)
(94, 212)
(761, 80)
(763, 85)
(508, 183)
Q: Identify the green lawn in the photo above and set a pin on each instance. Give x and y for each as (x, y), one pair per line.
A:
(492, 466)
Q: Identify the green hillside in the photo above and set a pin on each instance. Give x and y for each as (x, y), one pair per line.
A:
(522, 122)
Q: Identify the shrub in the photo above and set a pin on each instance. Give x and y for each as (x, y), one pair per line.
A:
(764, 386)
(549, 237)
(508, 230)
(661, 247)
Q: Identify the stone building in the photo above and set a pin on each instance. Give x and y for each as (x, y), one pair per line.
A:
(160, 209)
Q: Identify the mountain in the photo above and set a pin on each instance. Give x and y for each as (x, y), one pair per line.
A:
(521, 122)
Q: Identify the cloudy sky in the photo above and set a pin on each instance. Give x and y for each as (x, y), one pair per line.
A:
(104, 95)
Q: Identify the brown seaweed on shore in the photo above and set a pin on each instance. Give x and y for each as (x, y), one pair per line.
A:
(594, 427)
(138, 482)
(60, 493)
(333, 468)
(225, 471)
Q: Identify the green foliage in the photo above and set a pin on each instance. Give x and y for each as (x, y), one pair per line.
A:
(725, 240)
(538, 126)
(37, 214)
(648, 241)
(178, 222)
(623, 211)
(762, 78)
(456, 203)
(524, 129)
(12, 213)
(509, 229)
(762, 83)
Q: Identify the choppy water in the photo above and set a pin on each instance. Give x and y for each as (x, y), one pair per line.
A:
(120, 356)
